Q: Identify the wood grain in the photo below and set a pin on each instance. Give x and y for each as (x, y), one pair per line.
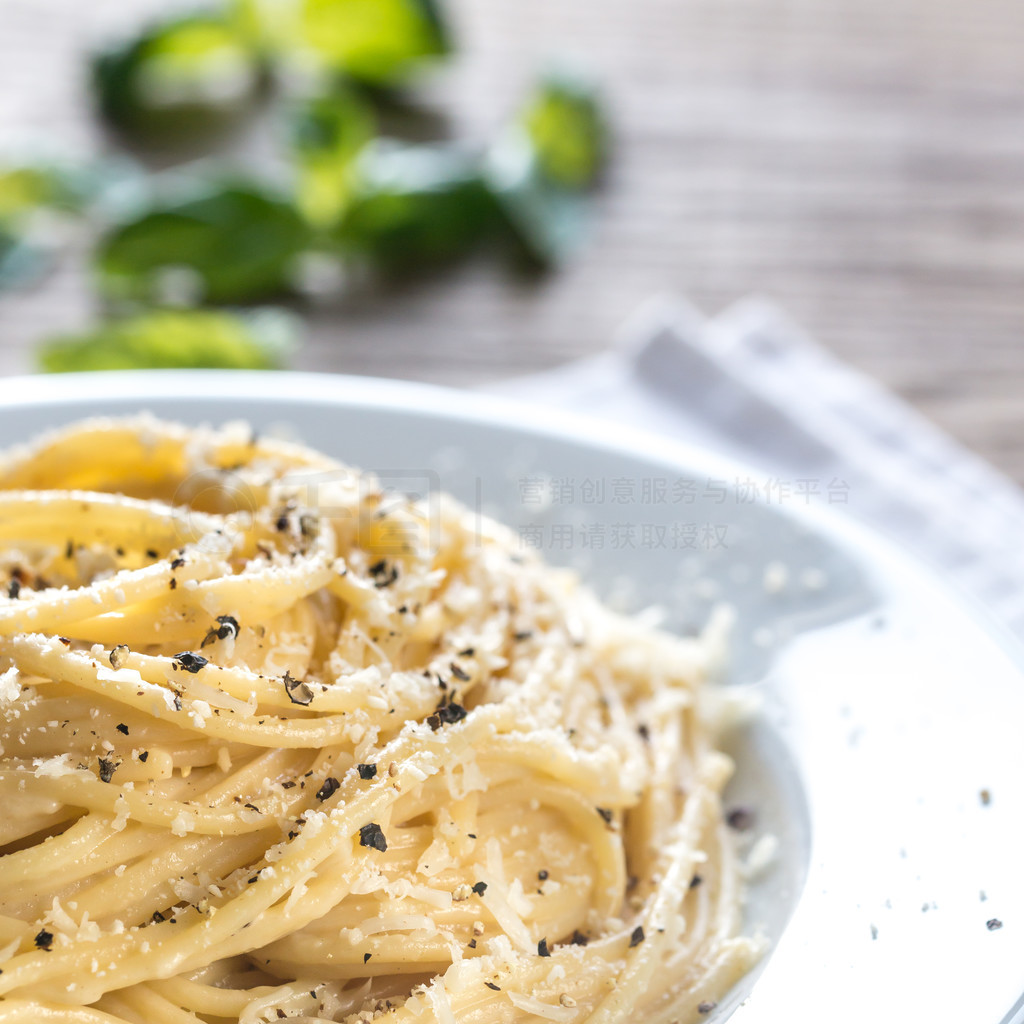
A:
(858, 161)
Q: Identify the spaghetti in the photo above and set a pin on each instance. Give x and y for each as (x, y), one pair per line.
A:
(279, 743)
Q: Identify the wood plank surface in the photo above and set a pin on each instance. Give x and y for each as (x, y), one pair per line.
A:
(860, 162)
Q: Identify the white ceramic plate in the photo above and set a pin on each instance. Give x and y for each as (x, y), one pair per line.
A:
(889, 707)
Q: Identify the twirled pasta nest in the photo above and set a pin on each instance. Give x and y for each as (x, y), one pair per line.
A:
(276, 742)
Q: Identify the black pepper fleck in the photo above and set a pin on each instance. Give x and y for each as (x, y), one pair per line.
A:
(44, 940)
(13, 589)
(122, 728)
(740, 818)
(695, 881)
(480, 888)
(108, 765)
(446, 714)
(542, 948)
(460, 673)
(227, 627)
(298, 692)
(144, 756)
(366, 956)
(328, 789)
(371, 835)
(637, 937)
(491, 985)
(383, 574)
(993, 924)
(542, 875)
(605, 813)
(366, 771)
(189, 661)
(177, 563)
(579, 939)
(705, 1008)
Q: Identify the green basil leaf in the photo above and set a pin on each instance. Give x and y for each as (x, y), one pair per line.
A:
(541, 165)
(375, 41)
(228, 243)
(178, 79)
(542, 223)
(416, 207)
(26, 194)
(566, 126)
(20, 261)
(158, 339)
(328, 134)
(25, 189)
(36, 201)
(58, 185)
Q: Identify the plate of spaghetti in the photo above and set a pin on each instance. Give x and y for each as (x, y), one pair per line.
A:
(337, 700)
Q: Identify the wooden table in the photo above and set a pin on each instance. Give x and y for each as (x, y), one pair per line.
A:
(861, 162)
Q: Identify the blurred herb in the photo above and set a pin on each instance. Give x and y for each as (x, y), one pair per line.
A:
(380, 42)
(360, 200)
(232, 242)
(328, 134)
(259, 340)
(25, 189)
(34, 200)
(541, 166)
(60, 186)
(416, 207)
(541, 223)
(264, 25)
(567, 128)
(180, 78)
(20, 261)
